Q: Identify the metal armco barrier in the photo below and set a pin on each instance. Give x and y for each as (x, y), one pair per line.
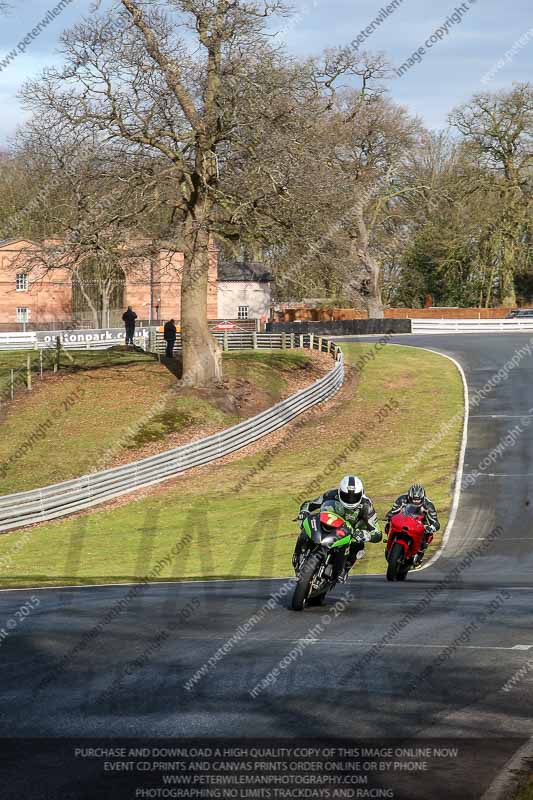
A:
(472, 325)
(68, 497)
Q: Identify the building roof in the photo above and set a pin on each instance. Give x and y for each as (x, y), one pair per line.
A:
(250, 271)
(6, 242)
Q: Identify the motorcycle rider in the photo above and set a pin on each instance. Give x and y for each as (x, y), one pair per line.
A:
(352, 504)
(416, 496)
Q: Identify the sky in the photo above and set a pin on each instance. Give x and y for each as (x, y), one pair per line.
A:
(477, 45)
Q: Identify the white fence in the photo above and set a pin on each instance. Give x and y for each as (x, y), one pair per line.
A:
(152, 339)
(68, 497)
(471, 325)
(255, 341)
(18, 341)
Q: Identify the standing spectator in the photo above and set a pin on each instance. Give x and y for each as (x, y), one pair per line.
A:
(169, 335)
(129, 318)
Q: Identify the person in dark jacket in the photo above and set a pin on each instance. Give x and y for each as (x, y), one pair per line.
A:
(169, 335)
(129, 318)
(416, 496)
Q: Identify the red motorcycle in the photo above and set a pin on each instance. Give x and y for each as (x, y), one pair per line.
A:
(405, 540)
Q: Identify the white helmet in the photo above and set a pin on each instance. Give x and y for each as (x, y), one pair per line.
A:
(351, 491)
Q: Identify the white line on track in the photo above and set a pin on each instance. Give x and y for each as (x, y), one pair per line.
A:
(509, 474)
(499, 416)
(360, 643)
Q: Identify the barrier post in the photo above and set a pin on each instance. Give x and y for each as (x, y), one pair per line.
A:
(283, 341)
(57, 360)
(28, 372)
(254, 340)
(12, 384)
(226, 341)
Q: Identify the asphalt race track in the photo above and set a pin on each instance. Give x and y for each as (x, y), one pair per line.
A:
(348, 683)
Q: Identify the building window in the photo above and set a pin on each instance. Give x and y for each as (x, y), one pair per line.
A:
(23, 314)
(22, 282)
(243, 312)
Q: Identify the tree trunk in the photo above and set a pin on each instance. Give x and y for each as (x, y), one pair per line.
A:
(202, 357)
(105, 309)
(88, 300)
(374, 300)
(507, 288)
(374, 308)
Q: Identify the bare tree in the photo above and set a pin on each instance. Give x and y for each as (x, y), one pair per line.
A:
(168, 82)
(200, 83)
(339, 225)
(99, 195)
(498, 132)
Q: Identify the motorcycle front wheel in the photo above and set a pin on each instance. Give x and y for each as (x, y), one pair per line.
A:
(396, 565)
(304, 585)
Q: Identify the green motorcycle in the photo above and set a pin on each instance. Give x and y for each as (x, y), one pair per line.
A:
(320, 556)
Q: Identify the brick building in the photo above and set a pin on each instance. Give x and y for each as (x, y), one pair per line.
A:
(25, 297)
(151, 286)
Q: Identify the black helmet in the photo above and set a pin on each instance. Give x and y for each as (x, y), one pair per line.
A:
(416, 494)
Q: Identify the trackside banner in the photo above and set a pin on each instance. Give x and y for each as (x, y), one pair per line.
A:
(85, 336)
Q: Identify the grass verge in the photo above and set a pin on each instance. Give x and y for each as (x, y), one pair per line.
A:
(234, 520)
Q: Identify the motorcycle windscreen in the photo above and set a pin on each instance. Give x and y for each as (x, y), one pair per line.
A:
(412, 511)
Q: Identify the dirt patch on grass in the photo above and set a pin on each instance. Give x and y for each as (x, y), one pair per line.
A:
(191, 414)
(404, 380)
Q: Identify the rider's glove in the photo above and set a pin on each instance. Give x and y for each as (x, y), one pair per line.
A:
(430, 529)
(362, 536)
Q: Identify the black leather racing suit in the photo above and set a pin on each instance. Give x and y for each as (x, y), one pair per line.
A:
(427, 510)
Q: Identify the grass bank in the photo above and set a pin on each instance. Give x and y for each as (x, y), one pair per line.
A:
(234, 520)
(96, 411)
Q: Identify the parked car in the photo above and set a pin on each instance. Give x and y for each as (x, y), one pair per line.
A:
(520, 312)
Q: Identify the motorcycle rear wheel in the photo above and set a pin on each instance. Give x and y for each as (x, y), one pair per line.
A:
(303, 587)
(395, 567)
